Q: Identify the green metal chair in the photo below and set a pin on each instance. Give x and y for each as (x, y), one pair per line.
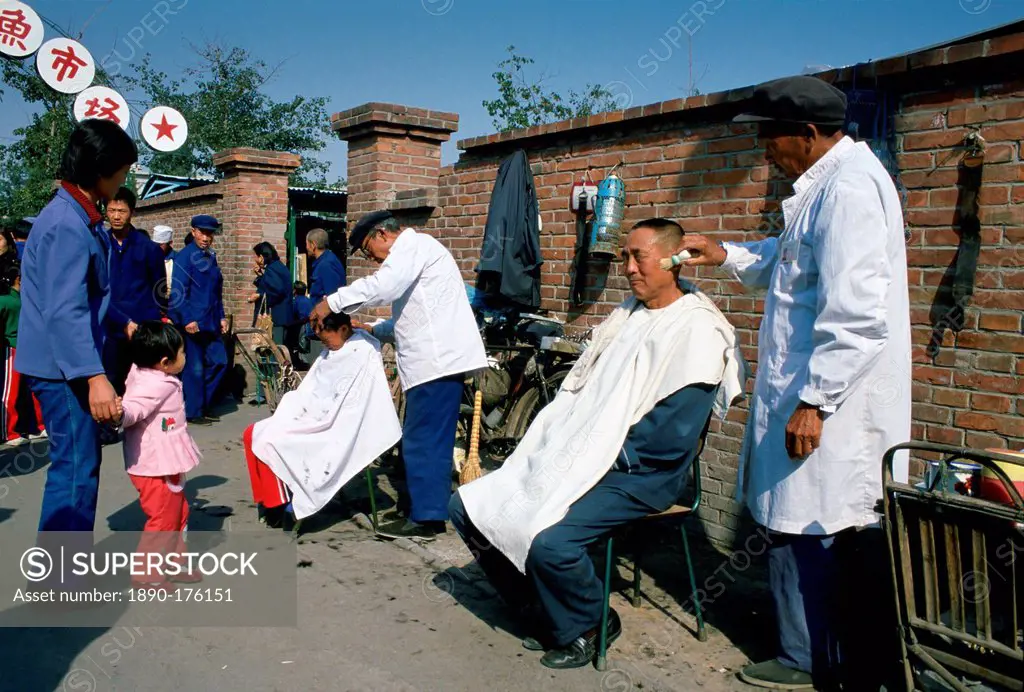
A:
(674, 513)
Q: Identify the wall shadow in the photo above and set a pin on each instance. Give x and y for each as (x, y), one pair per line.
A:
(24, 460)
(202, 515)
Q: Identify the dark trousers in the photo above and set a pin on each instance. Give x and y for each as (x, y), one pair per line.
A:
(835, 608)
(117, 361)
(206, 359)
(560, 575)
(428, 445)
(73, 477)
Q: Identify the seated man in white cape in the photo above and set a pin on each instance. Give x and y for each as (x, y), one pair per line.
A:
(329, 429)
(615, 445)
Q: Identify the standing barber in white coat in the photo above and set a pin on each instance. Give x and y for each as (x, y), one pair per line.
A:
(833, 379)
(436, 342)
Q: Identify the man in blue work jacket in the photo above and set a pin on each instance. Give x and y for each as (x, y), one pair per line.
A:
(137, 292)
(197, 308)
(327, 275)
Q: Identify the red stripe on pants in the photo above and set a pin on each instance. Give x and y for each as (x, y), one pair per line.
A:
(16, 396)
(166, 516)
(267, 489)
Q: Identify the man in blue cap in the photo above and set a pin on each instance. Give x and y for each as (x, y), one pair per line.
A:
(197, 308)
(836, 332)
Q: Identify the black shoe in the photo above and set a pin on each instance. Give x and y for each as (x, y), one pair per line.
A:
(275, 517)
(108, 436)
(582, 650)
(533, 644)
(257, 402)
(201, 420)
(407, 528)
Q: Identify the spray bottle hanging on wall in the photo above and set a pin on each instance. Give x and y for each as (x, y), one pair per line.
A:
(608, 214)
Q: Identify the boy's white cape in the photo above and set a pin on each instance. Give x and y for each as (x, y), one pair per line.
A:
(575, 439)
(332, 426)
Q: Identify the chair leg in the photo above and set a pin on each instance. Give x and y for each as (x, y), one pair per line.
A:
(602, 651)
(373, 500)
(702, 634)
(635, 600)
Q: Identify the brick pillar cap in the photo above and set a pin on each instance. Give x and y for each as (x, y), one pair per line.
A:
(394, 119)
(247, 158)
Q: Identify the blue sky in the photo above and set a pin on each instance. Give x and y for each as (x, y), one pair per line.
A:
(440, 54)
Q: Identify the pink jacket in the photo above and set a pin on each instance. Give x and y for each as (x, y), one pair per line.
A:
(156, 441)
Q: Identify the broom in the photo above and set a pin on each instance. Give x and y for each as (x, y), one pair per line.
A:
(471, 468)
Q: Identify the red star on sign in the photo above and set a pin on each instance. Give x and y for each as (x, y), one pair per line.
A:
(164, 128)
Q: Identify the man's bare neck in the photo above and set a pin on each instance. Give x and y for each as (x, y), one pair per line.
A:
(664, 300)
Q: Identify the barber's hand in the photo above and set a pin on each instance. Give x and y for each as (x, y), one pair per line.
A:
(192, 327)
(130, 328)
(253, 298)
(704, 252)
(102, 399)
(803, 432)
(321, 311)
(356, 324)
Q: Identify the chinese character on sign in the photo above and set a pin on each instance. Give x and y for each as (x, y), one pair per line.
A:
(21, 30)
(65, 65)
(14, 29)
(97, 111)
(102, 102)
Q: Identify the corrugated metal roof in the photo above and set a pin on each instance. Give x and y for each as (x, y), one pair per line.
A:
(320, 190)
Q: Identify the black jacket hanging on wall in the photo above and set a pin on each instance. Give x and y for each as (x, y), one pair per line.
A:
(510, 259)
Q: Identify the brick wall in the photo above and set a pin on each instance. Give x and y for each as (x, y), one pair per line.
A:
(683, 159)
(177, 209)
(251, 202)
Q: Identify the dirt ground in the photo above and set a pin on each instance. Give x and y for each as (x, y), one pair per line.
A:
(373, 615)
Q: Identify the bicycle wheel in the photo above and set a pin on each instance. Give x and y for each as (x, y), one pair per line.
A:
(530, 404)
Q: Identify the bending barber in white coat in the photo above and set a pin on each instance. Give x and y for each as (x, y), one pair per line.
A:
(833, 383)
(436, 342)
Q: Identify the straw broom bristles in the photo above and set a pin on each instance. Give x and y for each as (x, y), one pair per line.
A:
(471, 468)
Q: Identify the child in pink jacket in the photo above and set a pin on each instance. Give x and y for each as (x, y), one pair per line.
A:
(158, 451)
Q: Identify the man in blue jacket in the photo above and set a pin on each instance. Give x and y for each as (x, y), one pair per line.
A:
(327, 275)
(137, 291)
(197, 308)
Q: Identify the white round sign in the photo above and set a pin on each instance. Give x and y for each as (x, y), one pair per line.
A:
(21, 29)
(164, 128)
(65, 65)
(103, 103)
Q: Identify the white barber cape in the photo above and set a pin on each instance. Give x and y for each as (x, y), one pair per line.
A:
(637, 358)
(339, 419)
(836, 334)
(432, 324)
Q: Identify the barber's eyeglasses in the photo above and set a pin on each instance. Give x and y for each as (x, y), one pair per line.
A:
(365, 248)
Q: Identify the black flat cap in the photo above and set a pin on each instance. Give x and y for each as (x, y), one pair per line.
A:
(363, 227)
(800, 99)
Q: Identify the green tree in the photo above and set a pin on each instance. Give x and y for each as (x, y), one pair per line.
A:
(524, 101)
(29, 164)
(222, 98)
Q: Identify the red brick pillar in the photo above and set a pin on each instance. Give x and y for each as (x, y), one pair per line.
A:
(394, 155)
(254, 208)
